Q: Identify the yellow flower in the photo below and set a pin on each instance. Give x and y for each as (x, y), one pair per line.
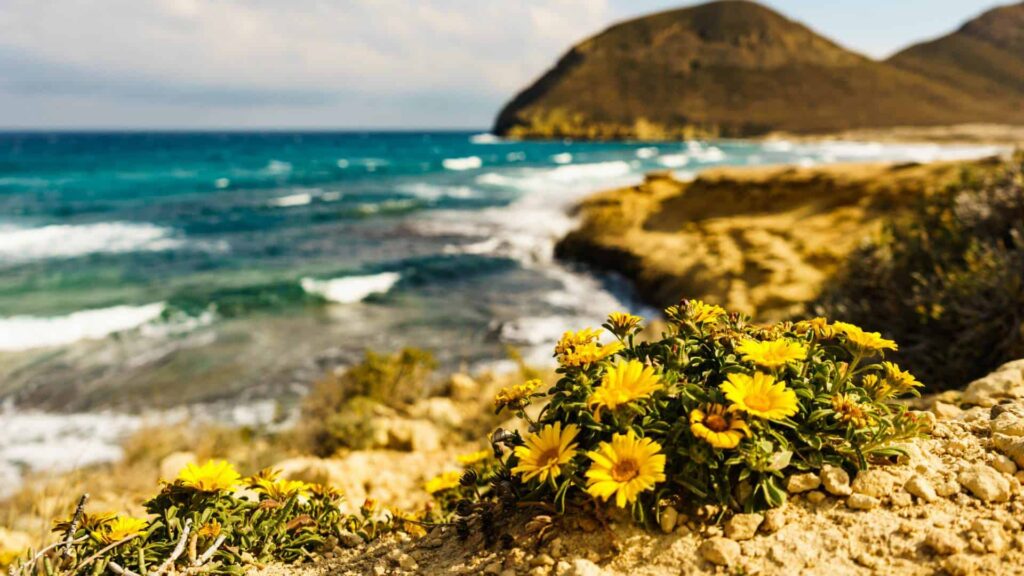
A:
(517, 395)
(864, 341)
(443, 481)
(122, 527)
(900, 380)
(281, 489)
(211, 529)
(760, 396)
(699, 313)
(546, 452)
(848, 410)
(623, 383)
(876, 387)
(625, 467)
(581, 349)
(9, 557)
(473, 457)
(773, 353)
(819, 326)
(718, 426)
(212, 476)
(622, 323)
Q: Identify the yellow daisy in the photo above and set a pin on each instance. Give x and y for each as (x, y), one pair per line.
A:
(760, 395)
(900, 380)
(622, 323)
(516, 396)
(772, 353)
(819, 326)
(848, 410)
(718, 426)
(443, 481)
(546, 452)
(581, 348)
(473, 457)
(212, 476)
(623, 383)
(282, 489)
(864, 341)
(699, 313)
(122, 527)
(624, 468)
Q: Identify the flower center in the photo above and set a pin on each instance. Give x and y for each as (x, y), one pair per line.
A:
(717, 423)
(759, 402)
(548, 458)
(625, 470)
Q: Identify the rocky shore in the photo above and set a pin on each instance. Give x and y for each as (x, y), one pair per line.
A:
(762, 241)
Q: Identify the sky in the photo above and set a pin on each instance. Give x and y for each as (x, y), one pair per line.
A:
(340, 64)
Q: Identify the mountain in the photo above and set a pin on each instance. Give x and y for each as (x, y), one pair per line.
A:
(984, 57)
(728, 68)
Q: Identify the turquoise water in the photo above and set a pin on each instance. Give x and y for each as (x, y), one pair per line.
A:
(146, 270)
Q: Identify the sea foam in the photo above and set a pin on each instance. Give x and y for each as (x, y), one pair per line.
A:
(459, 164)
(350, 289)
(27, 332)
(19, 244)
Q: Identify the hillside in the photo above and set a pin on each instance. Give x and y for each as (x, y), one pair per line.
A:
(729, 68)
(985, 57)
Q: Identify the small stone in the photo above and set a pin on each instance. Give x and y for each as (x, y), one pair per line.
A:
(802, 482)
(542, 560)
(774, 520)
(991, 536)
(463, 387)
(816, 497)
(743, 526)
(901, 499)
(944, 542)
(721, 551)
(986, 483)
(1004, 464)
(919, 486)
(859, 501)
(493, 569)
(407, 563)
(947, 488)
(874, 483)
(349, 539)
(945, 411)
(669, 517)
(583, 567)
(836, 481)
(960, 565)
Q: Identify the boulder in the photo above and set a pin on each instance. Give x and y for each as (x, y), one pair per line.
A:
(986, 483)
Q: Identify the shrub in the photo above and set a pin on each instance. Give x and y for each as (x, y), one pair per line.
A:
(338, 410)
(716, 412)
(948, 283)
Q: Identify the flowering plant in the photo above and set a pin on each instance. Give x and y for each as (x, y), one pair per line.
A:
(716, 411)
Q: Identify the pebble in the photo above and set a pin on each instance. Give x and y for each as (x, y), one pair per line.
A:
(816, 497)
(669, 517)
(720, 551)
(990, 536)
(874, 483)
(743, 526)
(944, 411)
(947, 488)
(944, 542)
(1004, 464)
(836, 481)
(774, 520)
(407, 563)
(919, 486)
(583, 567)
(859, 501)
(802, 482)
(542, 560)
(901, 499)
(986, 483)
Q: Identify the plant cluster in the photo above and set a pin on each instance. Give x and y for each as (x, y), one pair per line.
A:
(948, 282)
(211, 520)
(717, 411)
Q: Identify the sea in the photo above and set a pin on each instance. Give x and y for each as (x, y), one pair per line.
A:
(175, 275)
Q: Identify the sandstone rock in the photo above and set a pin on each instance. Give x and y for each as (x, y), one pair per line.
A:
(816, 497)
(859, 501)
(584, 567)
(945, 411)
(836, 481)
(1006, 382)
(743, 526)
(874, 483)
(669, 517)
(1011, 446)
(774, 519)
(944, 542)
(985, 483)
(174, 462)
(1008, 422)
(463, 387)
(412, 435)
(438, 410)
(919, 486)
(720, 551)
(947, 488)
(990, 536)
(802, 482)
(901, 499)
(1004, 464)
(407, 563)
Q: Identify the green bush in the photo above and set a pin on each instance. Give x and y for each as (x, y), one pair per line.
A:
(948, 282)
(338, 411)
